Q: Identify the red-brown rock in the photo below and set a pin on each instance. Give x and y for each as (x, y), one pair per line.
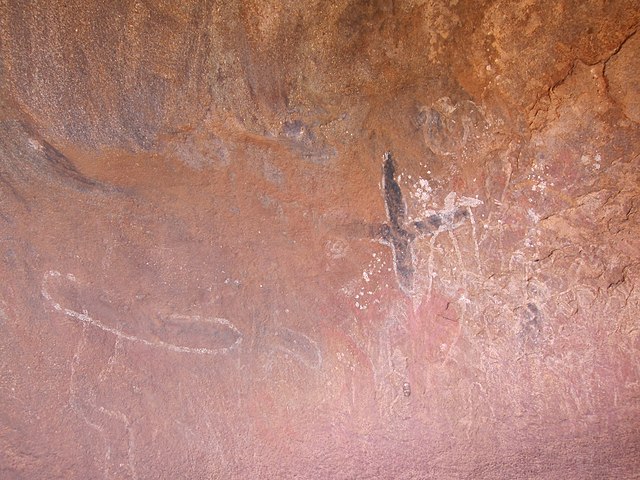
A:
(207, 270)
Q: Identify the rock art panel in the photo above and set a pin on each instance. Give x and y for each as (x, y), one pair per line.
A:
(319, 240)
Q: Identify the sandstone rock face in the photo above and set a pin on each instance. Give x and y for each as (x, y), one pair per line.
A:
(347, 239)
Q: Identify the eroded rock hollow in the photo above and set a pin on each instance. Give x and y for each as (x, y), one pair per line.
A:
(325, 239)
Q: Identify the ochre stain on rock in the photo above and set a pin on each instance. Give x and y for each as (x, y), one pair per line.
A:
(205, 270)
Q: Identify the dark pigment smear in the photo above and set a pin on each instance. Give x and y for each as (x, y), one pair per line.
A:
(394, 233)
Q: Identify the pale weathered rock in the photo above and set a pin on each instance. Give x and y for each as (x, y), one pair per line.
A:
(209, 271)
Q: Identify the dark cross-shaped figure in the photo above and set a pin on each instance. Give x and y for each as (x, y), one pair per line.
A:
(400, 234)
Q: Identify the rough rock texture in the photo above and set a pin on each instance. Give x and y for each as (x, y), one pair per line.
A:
(347, 239)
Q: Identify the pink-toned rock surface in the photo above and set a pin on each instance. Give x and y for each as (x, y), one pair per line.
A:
(211, 268)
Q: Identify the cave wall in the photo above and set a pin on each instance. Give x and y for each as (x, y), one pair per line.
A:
(347, 239)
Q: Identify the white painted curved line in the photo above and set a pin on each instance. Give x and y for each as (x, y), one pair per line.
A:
(299, 345)
(85, 318)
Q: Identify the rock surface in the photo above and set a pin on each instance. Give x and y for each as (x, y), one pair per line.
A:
(212, 268)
